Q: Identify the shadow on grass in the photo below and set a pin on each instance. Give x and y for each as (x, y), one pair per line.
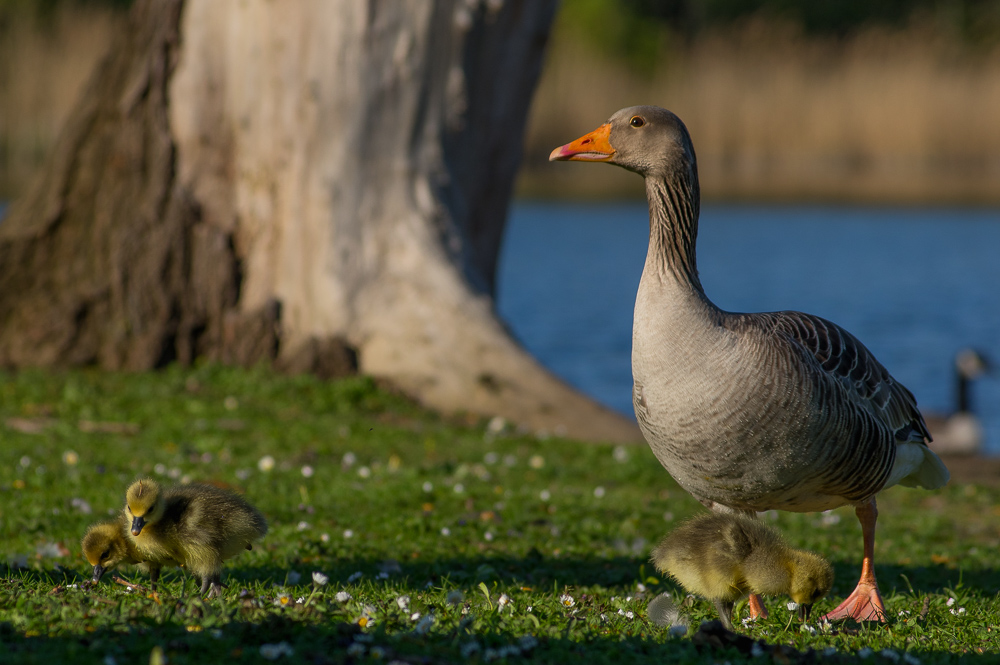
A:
(920, 579)
(189, 629)
(533, 569)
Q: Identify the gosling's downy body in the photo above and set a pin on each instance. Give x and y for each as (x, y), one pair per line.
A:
(199, 526)
(106, 545)
(724, 557)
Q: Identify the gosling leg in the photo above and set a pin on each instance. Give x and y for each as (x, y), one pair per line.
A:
(212, 583)
(725, 610)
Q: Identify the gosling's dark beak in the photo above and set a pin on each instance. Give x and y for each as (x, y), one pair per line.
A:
(137, 524)
(804, 611)
(99, 573)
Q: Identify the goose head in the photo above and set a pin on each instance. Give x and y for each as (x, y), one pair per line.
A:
(811, 579)
(143, 503)
(971, 364)
(648, 140)
(105, 547)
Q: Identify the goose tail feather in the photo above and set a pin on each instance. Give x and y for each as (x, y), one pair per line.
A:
(918, 466)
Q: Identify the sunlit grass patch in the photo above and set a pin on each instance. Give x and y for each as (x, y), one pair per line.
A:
(397, 535)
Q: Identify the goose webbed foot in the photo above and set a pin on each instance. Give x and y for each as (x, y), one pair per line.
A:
(864, 604)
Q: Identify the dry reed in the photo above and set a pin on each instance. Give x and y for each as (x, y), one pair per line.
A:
(903, 116)
(895, 116)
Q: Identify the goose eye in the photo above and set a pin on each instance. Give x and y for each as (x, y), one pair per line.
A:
(636, 121)
(105, 554)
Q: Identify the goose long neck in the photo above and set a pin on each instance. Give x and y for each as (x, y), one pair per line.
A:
(962, 392)
(673, 230)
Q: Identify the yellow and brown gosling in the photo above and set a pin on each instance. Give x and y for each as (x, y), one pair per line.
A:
(199, 526)
(723, 557)
(106, 546)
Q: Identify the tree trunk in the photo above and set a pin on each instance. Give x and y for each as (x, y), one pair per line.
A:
(321, 184)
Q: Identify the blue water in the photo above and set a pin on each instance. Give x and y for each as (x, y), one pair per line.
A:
(915, 285)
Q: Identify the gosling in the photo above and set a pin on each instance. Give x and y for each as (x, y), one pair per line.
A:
(723, 557)
(106, 546)
(199, 526)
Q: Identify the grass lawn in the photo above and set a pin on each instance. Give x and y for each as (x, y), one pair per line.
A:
(442, 541)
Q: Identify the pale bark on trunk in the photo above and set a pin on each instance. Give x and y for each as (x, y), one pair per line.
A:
(319, 183)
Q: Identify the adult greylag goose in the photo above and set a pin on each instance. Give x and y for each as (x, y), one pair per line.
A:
(752, 412)
(724, 557)
(961, 432)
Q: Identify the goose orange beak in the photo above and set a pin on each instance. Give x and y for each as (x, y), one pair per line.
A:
(592, 147)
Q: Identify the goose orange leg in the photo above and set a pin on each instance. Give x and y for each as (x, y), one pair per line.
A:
(757, 609)
(865, 603)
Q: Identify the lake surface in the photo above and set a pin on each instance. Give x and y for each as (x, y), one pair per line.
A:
(914, 284)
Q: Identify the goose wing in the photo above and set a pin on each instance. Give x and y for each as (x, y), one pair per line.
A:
(840, 360)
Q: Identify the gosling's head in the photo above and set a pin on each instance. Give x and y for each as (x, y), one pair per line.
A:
(143, 503)
(812, 578)
(104, 546)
